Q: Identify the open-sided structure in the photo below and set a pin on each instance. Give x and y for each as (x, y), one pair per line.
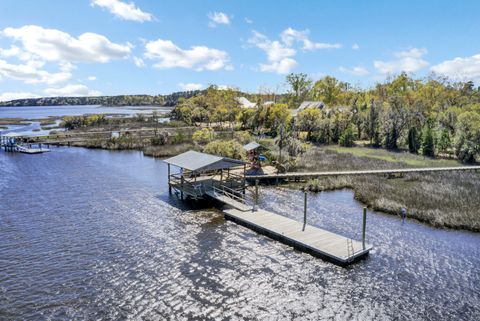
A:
(201, 173)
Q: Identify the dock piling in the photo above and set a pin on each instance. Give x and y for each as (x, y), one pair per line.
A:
(364, 226)
(305, 210)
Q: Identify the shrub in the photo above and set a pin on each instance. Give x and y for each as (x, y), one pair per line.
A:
(203, 135)
(229, 148)
(159, 138)
(347, 139)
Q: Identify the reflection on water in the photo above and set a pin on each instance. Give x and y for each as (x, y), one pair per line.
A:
(90, 234)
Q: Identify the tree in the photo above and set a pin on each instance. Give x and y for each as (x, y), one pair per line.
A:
(372, 126)
(444, 142)
(276, 116)
(330, 91)
(467, 140)
(395, 120)
(413, 140)
(309, 120)
(428, 145)
(299, 87)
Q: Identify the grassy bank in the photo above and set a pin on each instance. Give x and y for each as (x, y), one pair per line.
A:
(445, 199)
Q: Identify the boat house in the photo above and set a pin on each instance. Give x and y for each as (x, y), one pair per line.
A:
(199, 174)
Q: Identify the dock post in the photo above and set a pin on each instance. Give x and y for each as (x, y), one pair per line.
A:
(181, 190)
(255, 201)
(364, 226)
(169, 184)
(304, 210)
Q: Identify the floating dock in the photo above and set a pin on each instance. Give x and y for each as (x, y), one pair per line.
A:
(330, 246)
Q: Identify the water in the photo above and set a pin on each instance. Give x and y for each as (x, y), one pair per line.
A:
(92, 234)
(42, 112)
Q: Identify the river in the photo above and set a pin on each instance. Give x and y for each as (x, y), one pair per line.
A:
(93, 234)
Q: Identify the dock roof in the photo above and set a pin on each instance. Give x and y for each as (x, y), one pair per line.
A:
(251, 146)
(195, 161)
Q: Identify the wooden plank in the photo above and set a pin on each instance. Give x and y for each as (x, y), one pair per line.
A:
(315, 240)
(365, 172)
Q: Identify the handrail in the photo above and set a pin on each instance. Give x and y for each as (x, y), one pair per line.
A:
(228, 194)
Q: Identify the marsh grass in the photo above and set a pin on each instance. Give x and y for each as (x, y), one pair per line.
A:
(442, 199)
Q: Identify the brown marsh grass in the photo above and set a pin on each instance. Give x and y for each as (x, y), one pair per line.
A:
(442, 199)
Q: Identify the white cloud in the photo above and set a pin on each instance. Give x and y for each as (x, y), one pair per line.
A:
(355, 71)
(190, 86)
(248, 20)
(71, 90)
(197, 57)
(7, 96)
(92, 78)
(279, 54)
(56, 45)
(289, 36)
(355, 46)
(407, 61)
(218, 18)
(126, 11)
(463, 69)
(31, 73)
(138, 62)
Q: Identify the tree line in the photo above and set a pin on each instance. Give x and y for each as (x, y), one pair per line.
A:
(431, 116)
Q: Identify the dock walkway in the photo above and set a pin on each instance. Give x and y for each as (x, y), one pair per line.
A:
(297, 175)
(316, 241)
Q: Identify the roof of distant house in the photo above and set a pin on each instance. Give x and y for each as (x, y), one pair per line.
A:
(308, 104)
(245, 103)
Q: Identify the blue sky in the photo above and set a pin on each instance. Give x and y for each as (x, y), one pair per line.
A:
(109, 47)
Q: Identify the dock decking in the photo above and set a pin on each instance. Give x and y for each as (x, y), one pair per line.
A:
(316, 241)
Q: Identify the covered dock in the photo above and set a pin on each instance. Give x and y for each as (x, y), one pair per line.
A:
(201, 174)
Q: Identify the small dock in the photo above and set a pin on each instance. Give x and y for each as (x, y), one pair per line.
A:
(12, 144)
(330, 246)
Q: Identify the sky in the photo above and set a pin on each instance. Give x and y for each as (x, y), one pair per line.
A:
(112, 47)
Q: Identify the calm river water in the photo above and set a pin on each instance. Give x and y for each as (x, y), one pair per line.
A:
(94, 235)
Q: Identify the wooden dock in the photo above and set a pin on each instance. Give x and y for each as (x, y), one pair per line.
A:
(316, 241)
(298, 175)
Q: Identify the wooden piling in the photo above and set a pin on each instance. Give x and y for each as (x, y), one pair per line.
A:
(304, 210)
(364, 226)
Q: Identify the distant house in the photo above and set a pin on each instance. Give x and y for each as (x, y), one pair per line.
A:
(245, 103)
(308, 104)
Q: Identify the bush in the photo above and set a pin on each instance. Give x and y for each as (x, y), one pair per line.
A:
(179, 138)
(347, 139)
(203, 135)
(243, 137)
(159, 139)
(229, 148)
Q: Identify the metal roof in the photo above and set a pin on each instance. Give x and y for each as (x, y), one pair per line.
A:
(195, 161)
(251, 146)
